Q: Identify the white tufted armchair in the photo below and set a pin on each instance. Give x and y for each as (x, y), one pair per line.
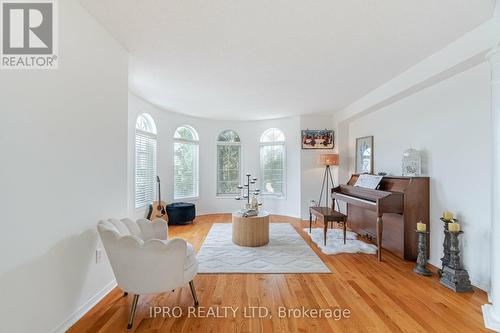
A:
(144, 260)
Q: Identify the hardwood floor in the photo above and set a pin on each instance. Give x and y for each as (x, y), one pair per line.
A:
(381, 297)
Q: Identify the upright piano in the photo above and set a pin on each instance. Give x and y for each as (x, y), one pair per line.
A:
(389, 213)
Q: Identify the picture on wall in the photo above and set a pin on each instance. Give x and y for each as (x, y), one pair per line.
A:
(364, 154)
(317, 139)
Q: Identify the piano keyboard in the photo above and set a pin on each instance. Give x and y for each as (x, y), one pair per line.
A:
(344, 197)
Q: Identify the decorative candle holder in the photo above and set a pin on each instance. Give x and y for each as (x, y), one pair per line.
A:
(446, 246)
(420, 267)
(454, 276)
(249, 209)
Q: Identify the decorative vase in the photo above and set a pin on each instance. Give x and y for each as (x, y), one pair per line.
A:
(254, 203)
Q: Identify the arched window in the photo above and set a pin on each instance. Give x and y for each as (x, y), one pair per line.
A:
(228, 163)
(272, 162)
(145, 160)
(186, 173)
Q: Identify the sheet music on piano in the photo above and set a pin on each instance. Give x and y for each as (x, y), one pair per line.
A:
(368, 181)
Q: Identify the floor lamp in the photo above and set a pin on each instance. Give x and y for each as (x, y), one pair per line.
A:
(327, 160)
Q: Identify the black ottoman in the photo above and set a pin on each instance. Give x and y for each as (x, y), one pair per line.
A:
(181, 213)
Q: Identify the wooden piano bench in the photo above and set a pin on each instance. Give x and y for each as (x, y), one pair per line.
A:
(325, 215)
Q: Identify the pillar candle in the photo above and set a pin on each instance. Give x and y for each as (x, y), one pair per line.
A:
(448, 216)
(454, 227)
(421, 226)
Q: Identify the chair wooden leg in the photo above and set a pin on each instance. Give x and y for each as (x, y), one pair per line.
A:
(380, 227)
(132, 312)
(345, 230)
(193, 291)
(310, 222)
(325, 229)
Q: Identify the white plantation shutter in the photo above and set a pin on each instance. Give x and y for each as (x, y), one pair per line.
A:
(228, 163)
(145, 161)
(186, 169)
(228, 169)
(272, 162)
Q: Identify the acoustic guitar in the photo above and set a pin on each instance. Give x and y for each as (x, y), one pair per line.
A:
(157, 210)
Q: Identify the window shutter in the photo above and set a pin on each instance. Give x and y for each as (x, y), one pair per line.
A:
(272, 162)
(185, 170)
(272, 169)
(145, 168)
(228, 169)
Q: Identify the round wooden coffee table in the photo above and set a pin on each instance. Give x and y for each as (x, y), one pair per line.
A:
(251, 231)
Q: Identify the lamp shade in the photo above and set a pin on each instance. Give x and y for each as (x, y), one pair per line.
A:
(329, 159)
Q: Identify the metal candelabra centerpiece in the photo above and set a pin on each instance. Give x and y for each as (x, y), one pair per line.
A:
(251, 207)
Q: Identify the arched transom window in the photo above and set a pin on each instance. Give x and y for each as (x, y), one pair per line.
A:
(228, 163)
(272, 162)
(186, 163)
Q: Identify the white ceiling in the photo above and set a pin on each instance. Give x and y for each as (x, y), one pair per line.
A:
(257, 59)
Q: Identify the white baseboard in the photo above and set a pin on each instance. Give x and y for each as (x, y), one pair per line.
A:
(490, 321)
(86, 307)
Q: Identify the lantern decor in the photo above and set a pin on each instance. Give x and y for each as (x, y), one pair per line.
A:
(251, 207)
(412, 163)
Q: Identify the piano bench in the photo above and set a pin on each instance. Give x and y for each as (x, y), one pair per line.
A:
(327, 214)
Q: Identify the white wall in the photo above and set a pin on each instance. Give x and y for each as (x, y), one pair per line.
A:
(208, 130)
(63, 167)
(311, 171)
(450, 123)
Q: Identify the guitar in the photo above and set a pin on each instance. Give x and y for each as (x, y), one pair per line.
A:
(157, 209)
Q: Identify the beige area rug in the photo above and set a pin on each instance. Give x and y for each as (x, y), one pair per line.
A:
(286, 252)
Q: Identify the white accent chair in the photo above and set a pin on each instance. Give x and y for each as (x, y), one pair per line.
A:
(144, 260)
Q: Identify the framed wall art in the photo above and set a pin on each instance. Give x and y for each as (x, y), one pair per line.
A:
(317, 139)
(364, 155)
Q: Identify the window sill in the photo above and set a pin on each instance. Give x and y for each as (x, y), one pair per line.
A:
(188, 199)
(141, 210)
(273, 196)
(226, 196)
